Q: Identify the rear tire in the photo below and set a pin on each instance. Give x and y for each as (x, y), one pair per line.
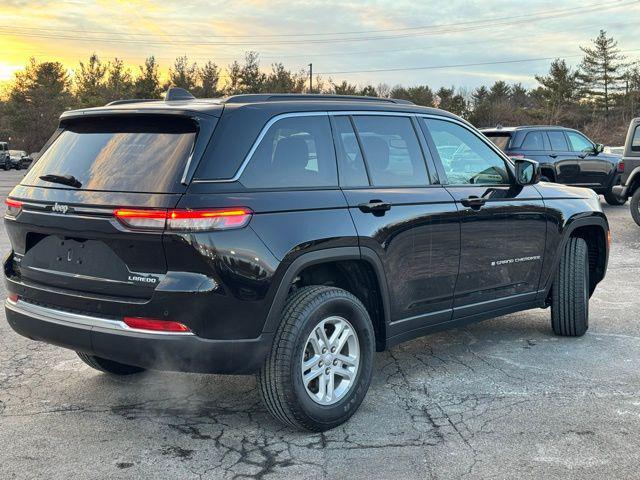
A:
(634, 205)
(333, 395)
(570, 291)
(109, 366)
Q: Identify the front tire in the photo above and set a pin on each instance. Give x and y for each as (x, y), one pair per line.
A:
(108, 366)
(319, 368)
(634, 205)
(612, 198)
(570, 291)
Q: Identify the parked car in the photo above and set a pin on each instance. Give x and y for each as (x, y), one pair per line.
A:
(565, 155)
(5, 157)
(286, 235)
(630, 181)
(614, 150)
(19, 159)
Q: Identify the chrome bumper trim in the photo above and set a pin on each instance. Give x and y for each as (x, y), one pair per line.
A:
(77, 320)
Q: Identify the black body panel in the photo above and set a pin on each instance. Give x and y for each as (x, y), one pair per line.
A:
(435, 260)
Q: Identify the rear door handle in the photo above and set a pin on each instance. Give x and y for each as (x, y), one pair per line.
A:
(553, 155)
(377, 207)
(473, 201)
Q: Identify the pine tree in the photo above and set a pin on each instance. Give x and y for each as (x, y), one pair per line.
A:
(601, 70)
(40, 93)
(209, 76)
(90, 83)
(183, 74)
(147, 84)
(558, 91)
(119, 83)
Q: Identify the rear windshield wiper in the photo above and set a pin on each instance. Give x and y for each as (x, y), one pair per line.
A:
(63, 179)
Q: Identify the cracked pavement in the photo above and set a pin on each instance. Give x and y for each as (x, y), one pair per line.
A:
(499, 399)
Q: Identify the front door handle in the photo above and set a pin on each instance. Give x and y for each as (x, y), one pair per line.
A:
(377, 207)
(553, 155)
(473, 202)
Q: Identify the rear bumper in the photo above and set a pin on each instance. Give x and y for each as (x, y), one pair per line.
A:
(114, 340)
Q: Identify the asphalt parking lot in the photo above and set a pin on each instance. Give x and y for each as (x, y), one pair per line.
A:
(500, 399)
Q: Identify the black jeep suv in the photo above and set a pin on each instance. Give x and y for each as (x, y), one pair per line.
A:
(565, 156)
(289, 236)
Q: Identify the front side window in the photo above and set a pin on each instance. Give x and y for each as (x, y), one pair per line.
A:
(466, 159)
(296, 152)
(635, 141)
(558, 142)
(392, 151)
(579, 143)
(533, 141)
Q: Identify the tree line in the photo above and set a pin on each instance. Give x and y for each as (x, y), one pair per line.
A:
(599, 97)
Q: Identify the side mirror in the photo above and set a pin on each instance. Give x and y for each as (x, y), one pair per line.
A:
(527, 171)
(599, 148)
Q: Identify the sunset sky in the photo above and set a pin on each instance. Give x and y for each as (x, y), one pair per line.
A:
(370, 41)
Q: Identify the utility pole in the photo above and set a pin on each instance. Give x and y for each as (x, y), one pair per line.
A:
(311, 78)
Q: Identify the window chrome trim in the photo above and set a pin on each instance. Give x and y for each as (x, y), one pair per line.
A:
(77, 320)
(345, 113)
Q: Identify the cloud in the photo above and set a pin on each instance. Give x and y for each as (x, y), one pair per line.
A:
(488, 30)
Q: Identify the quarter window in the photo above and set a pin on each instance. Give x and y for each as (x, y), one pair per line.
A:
(392, 151)
(295, 152)
(533, 141)
(579, 143)
(466, 159)
(558, 142)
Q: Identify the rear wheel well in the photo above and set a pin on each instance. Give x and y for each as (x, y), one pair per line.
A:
(596, 241)
(355, 276)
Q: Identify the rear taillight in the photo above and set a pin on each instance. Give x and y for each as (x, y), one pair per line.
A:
(154, 325)
(13, 297)
(13, 207)
(144, 219)
(184, 220)
(620, 167)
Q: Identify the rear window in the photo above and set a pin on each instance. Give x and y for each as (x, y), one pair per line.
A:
(126, 154)
(501, 140)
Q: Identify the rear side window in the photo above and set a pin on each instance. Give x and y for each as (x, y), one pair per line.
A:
(558, 142)
(533, 141)
(392, 151)
(350, 162)
(144, 154)
(635, 141)
(294, 152)
(500, 140)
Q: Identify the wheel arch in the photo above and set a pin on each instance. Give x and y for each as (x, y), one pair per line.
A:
(595, 231)
(357, 270)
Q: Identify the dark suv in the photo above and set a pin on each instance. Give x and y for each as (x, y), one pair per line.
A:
(289, 236)
(565, 156)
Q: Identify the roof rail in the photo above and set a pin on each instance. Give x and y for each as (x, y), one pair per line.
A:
(131, 100)
(177, 93)
(270, 97)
